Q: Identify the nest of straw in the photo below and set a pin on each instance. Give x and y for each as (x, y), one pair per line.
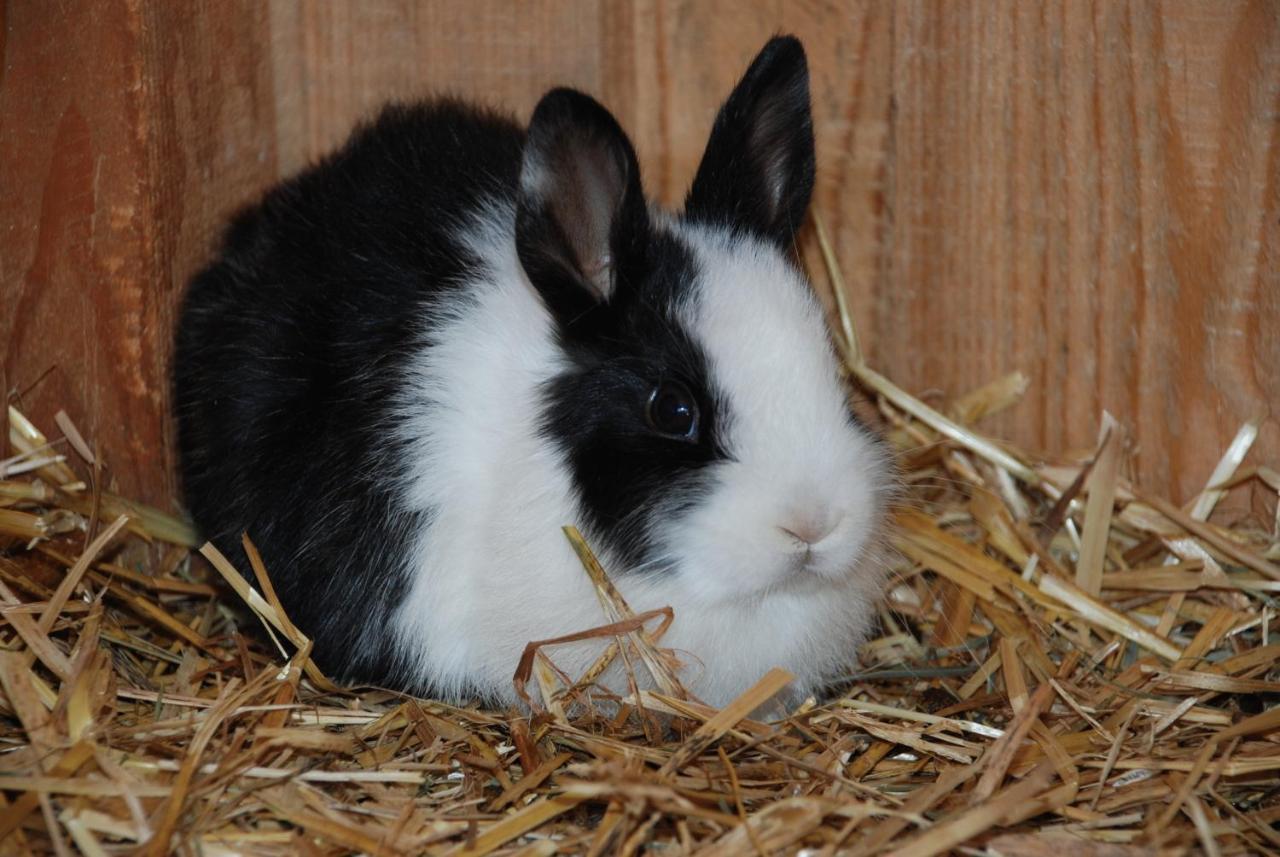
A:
(1063, 662)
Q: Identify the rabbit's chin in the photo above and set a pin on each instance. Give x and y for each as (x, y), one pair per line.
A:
(810, 629)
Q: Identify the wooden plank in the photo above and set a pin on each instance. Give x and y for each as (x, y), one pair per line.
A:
(335, 63)
(1086, 191)
(128, 133)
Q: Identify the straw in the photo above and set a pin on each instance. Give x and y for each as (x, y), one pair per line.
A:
(1065, 663)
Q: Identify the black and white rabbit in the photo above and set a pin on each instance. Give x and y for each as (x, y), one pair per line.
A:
(413, 363)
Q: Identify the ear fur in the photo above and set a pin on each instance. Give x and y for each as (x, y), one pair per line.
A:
(758, 168)
(581, 217)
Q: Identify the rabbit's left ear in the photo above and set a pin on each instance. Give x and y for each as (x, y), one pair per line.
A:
(581, 217)
(757, 171)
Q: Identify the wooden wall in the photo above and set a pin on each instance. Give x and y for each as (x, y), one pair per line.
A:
(1087, 191)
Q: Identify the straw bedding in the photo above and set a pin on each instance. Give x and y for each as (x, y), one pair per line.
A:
(1063, 662)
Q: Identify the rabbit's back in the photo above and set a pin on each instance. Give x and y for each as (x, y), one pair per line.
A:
(292, 347)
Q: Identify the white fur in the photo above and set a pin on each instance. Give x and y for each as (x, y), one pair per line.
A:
(494, 571)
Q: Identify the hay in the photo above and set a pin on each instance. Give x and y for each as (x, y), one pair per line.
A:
(1064, 662)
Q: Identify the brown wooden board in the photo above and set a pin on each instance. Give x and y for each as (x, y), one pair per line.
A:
(1087, 192)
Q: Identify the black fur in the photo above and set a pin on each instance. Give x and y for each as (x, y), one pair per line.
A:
(629, 477)
(758, 168)
(290, 353)
(619, 324)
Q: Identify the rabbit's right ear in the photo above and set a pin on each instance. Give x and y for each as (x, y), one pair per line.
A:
(581, 219)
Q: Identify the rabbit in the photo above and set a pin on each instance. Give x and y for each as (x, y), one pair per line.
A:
(411, 365)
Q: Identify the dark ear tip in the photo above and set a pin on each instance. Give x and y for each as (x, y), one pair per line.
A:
(783, 50)
(564, 106)
(785, 45)
(561, 99)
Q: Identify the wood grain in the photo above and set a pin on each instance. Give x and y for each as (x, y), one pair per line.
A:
(335, 63)
(1084, 191)
(1087, 191)
(127, 131)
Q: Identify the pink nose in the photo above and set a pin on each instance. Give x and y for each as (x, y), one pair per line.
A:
(809, 531)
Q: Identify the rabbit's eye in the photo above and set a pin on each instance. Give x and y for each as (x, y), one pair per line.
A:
(673, 412)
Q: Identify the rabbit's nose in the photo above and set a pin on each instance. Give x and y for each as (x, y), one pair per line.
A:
(810, 531)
